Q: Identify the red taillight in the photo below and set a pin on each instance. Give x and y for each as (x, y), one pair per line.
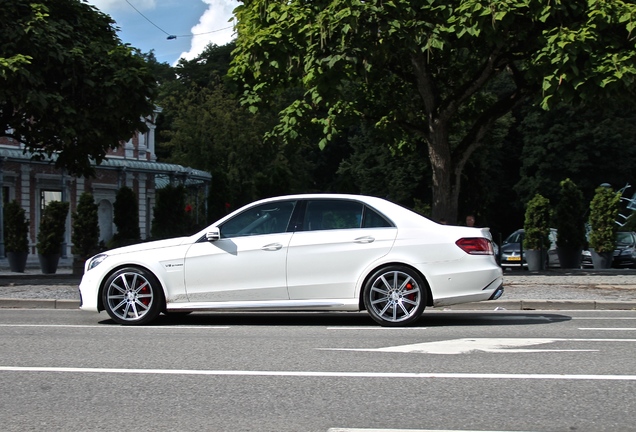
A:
(476, 246)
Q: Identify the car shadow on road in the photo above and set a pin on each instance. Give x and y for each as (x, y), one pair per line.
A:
(353, 319)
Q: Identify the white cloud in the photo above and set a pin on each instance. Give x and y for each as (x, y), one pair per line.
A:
(208, 29)
(108, 6)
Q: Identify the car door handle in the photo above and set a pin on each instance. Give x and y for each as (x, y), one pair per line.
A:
(272, 247)
(366, 239)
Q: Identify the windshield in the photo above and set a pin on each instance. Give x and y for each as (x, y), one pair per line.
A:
(624, 239)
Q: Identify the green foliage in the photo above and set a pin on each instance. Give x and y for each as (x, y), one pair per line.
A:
(603, 214)
(16, 228)
(438, 58)
(52, 228)
(590, 144)
(69, 88)
(169, 213)
(371, 159)
(569, 216)
(211, 131)
(126, 218)
(537, 224)
(85, 236)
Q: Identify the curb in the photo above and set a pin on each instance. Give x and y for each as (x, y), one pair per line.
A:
(546, 305)
(9, 303)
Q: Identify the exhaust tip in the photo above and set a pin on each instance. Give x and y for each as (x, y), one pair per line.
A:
(498, 293)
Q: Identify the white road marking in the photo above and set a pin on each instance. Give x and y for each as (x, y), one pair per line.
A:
(408, 430)
(319, 374)
(113, 326)
(377, 328)
(491, 345)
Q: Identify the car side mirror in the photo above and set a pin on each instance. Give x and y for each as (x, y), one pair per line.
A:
(213, 235)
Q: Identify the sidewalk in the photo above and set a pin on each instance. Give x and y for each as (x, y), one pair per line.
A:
(555, 289)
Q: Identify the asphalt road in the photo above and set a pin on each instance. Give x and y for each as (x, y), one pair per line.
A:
(66, 370)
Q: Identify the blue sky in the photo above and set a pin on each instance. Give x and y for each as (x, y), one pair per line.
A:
(196, 23)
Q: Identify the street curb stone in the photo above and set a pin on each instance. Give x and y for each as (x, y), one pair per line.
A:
(546, 305)
(9, 303)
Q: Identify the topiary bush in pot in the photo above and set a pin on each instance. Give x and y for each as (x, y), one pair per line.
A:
(570, 224)
(603, 227)
(51, 235)
(536, 232)
(16, 236)
(85, 235)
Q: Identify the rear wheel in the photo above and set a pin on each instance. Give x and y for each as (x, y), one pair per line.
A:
(132, 296)
(395, 296)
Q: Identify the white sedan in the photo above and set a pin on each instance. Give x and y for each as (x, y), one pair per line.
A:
(300, 253)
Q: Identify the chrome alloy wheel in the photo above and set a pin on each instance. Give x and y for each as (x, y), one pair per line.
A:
(395, 296)
(131, 297)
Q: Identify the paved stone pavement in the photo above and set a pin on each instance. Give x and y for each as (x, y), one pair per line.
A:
(554, 289)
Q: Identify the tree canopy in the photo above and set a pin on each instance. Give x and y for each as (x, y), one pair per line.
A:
(437, 72)
(69, 88)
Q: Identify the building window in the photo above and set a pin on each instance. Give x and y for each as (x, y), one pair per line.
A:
(46, 196)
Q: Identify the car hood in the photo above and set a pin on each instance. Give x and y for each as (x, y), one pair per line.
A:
(158, 244)
(510, 247)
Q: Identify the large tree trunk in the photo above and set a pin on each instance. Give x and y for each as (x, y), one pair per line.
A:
(444, 192)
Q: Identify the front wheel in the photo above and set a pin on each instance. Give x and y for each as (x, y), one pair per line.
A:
(132, 296)
(395, 296)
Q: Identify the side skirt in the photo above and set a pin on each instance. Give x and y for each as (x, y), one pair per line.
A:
(274, 305)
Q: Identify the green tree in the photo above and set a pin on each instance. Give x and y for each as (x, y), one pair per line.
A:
(589, 144)
(603, 214)
(16, 228)
(126, 218)
(211, 131)
(85, 235)
(569, 217)
(169, 215)
(376, 169)
(69, 87)
(537, 224)
(52, 228)
(421, 68)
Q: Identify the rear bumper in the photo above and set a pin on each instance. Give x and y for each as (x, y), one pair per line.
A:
(498, 293)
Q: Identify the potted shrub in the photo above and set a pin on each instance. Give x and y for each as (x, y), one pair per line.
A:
(16, 232)
(603, 214)
(85, 234)
(537, 230)
(570, 225)
(51, 235)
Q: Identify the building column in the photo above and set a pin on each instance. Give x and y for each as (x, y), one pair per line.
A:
(25, 201)
(143, 209)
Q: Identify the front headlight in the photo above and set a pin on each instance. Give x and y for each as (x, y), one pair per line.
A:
(95, 261)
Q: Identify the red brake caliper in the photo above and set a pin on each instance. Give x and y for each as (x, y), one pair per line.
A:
(409, 287)
(145, 290)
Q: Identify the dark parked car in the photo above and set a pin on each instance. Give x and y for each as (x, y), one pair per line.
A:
(624, 254)
(511, 251)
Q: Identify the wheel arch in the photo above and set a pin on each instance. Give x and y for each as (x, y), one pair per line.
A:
(429, 294)
(102, 284)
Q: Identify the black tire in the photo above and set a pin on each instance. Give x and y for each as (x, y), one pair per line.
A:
(132, 296)
(395, 296)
